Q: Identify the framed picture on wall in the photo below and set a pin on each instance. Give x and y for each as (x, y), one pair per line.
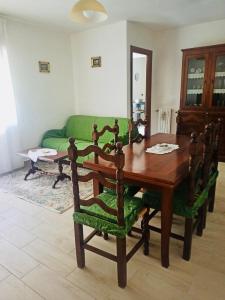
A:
(44, 67)
(96, 62)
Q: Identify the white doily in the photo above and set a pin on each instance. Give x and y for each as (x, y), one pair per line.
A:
(162, 148)
(35, 153)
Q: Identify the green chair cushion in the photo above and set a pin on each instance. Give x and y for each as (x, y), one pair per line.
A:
(95, 217)
(212, 179)
(62, 144)
(152, 199)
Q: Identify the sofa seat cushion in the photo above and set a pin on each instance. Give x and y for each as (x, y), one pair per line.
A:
(62, 144)
(95, 217)
(152, 199)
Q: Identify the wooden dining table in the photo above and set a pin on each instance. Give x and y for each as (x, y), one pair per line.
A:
(161, 172)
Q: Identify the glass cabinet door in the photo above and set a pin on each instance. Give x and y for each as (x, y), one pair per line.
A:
(195, 81)
(218, 96)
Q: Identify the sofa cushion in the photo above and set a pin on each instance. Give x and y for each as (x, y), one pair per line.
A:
(95, 217)
(80, 127)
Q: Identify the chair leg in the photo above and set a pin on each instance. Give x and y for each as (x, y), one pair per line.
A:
(79, 239)
(105, 236)
(212, 198)
(201, 219)
(145, 232)
(121, 262)
(187, 238)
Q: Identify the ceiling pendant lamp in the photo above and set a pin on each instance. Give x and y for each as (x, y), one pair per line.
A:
(88, 11)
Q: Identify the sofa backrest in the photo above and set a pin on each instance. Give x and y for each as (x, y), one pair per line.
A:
(81, 127)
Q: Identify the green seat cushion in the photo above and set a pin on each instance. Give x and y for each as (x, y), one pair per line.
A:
(212, 179)
(152, 199)
(95, 217)
(62, 144)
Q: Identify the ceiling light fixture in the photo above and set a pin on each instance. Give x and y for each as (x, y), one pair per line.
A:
(88, 11)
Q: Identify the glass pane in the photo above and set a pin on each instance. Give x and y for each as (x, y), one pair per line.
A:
(139, 86)
(219, 83)
(195, 81)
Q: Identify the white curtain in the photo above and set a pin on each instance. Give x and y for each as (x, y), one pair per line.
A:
(9, 133)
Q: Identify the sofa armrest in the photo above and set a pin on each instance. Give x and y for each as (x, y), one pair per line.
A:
(54, 133)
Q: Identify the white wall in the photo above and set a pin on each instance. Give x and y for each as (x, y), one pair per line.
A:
(169, 57)
(44, 101)
(101, 91)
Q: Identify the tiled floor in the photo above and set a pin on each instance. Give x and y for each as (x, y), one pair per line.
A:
(37, 259)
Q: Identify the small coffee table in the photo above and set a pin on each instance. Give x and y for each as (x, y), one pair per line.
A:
(60, 158)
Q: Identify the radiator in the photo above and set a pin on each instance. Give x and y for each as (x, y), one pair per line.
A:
(164, 120)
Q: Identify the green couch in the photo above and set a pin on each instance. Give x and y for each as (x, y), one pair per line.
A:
(81, 127)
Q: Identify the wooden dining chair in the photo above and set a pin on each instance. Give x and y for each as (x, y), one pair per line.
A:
(136, 137)
(134, 130)
(211, 139)
(96, 136)
(113, 214)
(188, 199)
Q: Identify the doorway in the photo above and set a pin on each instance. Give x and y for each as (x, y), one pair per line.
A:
(141, 84)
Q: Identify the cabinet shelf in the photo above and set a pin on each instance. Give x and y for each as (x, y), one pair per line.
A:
(219, 91)
(220, 74)
(194, 91)
(195, 75)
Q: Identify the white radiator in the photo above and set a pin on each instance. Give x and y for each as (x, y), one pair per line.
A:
(164, 120)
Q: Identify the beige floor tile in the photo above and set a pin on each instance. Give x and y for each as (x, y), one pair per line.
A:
(207, 285)
(14, 289)
(17, 236)
(15, 260)
(51, 256)
(56, 235)
(3, 273)
(53, 287)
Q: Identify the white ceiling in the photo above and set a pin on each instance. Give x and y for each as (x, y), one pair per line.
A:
(158, 14)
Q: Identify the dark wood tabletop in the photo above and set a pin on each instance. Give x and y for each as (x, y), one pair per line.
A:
(166, 169)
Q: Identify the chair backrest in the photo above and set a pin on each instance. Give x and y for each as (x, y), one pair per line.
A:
(188, 122)
(134, 134)
(195, 167)
(118, 160)
(211, 140)
(97, 134)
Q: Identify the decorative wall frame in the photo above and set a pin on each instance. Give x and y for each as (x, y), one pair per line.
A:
(96, 62)
(44, 67)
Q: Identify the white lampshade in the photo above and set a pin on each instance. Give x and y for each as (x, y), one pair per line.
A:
(88, 11)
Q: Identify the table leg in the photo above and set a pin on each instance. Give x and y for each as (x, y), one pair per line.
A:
(33, 169)
(61, 175)
(166, 223)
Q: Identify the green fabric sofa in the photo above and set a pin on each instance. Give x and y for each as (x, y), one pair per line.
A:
(81, 127)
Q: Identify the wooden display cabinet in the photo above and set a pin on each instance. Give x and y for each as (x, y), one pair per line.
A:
(202, 90)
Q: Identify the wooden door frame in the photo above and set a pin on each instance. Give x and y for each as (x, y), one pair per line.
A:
(148, 53)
